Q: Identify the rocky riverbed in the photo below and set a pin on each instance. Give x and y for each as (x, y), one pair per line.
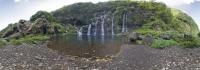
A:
(131, 57)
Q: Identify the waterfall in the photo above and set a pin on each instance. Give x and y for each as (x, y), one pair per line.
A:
(123, 23)
(102, 25)
(113, 24)
(126, 28)
(89, 29)
(80, 31)
(95, 32)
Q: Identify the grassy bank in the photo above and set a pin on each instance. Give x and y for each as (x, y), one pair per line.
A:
(160, 43)
(177, 40)
(184, 40)
(2, 42)
(29, 39)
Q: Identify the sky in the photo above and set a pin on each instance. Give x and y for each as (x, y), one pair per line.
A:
(12, 11)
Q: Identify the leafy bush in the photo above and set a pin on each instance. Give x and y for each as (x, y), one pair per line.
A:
(160, 43)
(58, 27)
(70, 29)
(190, 43)
(29, 39)
(199, 34)
(157, 24)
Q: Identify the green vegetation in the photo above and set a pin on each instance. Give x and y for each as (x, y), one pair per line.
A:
(147, 15)
(188, 41)
(58, 27)
(181, 23)
(149, 31)
(180, 40)
(43, 14)
(30, 39)
(198, 34)
(2, 42)
(184, 23)
(160, 43)
(70, 29)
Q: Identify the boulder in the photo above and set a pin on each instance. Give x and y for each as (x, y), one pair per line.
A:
(148, 40)
(140, 37)
(41, 25)
(133, 37)
(165, 36)
(22, 26)
(15, 36)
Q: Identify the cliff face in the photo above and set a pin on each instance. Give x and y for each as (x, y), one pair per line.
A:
(121, 16)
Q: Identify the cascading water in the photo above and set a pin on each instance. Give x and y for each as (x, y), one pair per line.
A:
(102, 25)
(89, 29)
(123, 23)
(126, 29)
(100, 30)
(95, 31)
(80, 31)
(113, 24)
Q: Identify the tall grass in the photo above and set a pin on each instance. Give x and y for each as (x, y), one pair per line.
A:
(160, 43)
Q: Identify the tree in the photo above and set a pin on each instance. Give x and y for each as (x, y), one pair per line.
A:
(44, 14)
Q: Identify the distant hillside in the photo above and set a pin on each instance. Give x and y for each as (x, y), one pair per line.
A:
(133, 15)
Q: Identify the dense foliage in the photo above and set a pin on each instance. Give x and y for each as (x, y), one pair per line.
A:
(146, 15)
(43, 14)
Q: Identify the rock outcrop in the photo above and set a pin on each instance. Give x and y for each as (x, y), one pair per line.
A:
(23, 27)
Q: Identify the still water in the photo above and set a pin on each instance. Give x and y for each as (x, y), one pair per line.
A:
(87, 46)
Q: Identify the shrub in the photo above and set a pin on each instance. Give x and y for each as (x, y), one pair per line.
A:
(199, 34)
(160, 43)
(70, 29)
(190, 43)
(145, 31)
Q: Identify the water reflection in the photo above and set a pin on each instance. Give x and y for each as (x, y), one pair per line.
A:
(87, 46)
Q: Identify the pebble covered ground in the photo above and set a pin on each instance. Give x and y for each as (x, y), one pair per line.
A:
(131, 57)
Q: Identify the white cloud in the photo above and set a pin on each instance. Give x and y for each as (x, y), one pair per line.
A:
(177, 2)
(17, 0)
(20, 0)
(50, 5)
